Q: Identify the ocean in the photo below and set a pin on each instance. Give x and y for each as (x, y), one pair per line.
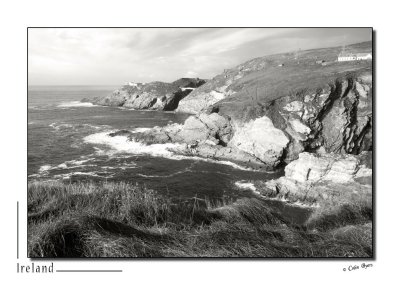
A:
(68, 140)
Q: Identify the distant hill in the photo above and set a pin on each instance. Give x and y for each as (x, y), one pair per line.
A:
(155, 95)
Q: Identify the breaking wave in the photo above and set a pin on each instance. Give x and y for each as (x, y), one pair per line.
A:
(62, 126)
(71, 164)
(78, 173)
(121, 144)
(75, 104)
(246, 185)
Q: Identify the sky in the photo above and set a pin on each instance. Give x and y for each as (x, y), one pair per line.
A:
(113, 56)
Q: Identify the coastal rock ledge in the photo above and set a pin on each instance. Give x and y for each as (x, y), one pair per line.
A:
(316, 178)
(150, 96)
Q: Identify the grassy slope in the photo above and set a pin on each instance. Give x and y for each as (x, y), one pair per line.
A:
(123, 220)
(264, 80)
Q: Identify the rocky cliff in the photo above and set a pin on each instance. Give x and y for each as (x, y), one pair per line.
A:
(268, 114)
(264, 113)
(152, 96)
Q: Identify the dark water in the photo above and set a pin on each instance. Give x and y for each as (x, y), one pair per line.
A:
(68, 140)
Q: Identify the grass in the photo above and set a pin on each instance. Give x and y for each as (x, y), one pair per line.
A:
(125, 220)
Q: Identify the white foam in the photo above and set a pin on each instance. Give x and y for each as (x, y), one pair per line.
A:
(95, 127)
(122, 166)
(73, 164)
(140, 130)
(245, 185)
(99, 151)
(44, 168)
(297, 203)
(122, 144)
(60, 125)
(75, 104)
(224, 162)
(78, 173)
(165, 176)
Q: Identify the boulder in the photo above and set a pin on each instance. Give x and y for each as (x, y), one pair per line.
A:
(261, 139)
(194, 130)
(315, 178)
(312, 168)
(124, 133)
(211, 127)
(218, 152)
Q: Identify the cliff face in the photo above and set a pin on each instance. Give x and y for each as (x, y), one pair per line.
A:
(335, 118)
(153, 96)
(263, 115)
(267, 111)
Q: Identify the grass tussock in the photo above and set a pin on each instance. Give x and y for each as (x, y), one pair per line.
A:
(125, 220)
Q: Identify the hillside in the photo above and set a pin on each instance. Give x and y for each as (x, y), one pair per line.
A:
(262, 79)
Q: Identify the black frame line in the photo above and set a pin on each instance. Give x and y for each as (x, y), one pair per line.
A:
(373, 257)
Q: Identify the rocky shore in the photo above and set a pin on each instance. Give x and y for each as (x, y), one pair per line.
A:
(150, 96)
(317, 178)
(315, 120)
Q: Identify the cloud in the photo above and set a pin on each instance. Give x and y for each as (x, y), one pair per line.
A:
(191, 74)
(114, 55)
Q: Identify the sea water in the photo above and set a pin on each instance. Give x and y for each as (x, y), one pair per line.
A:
(68, 140)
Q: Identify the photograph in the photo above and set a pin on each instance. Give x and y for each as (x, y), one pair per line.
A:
(200, 143)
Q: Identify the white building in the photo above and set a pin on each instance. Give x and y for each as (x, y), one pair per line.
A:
(364, 56)
(354, 56)
(131, 83)
(347, 57)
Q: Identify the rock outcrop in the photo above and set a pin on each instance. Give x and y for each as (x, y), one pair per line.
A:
(209, 94)
(261, 139)
(151, 96)
(320, 177)
(205, 135)
(336, 118)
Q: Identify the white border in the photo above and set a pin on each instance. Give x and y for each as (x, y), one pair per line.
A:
(17, 15)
